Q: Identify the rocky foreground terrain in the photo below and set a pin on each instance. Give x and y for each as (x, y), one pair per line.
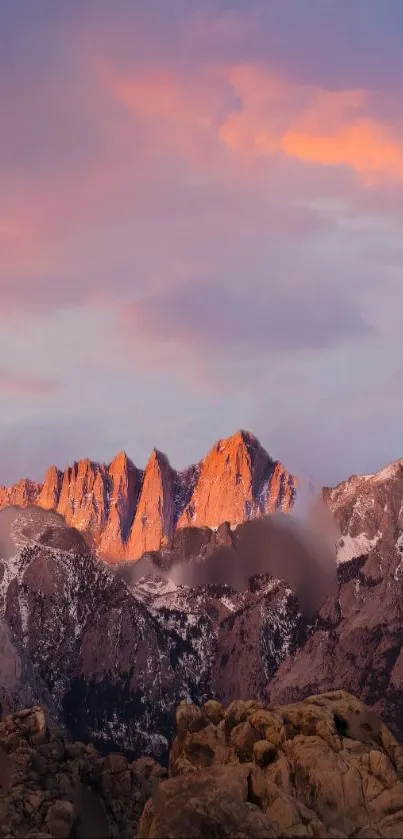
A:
(326, 767)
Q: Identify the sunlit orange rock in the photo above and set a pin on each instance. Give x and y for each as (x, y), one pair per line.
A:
(124, 511)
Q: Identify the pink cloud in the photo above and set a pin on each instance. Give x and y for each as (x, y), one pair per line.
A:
(200, 329)
(152, 142)
(25, 385)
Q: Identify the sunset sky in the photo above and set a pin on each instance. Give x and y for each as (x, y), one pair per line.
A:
(201, 213)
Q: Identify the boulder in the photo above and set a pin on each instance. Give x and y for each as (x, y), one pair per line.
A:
(325, 767)
(55, 788)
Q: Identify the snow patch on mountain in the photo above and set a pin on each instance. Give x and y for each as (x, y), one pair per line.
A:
(277, 632)
(349, 547)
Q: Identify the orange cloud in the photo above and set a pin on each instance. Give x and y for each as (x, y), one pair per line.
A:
(364, 146)
(307, 123)
(256, 114)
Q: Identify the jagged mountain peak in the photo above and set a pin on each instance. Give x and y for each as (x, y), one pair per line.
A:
(121, 461)
(158, 458)
(392, 471)
(369, 511)
(126, 511)
(240, 436)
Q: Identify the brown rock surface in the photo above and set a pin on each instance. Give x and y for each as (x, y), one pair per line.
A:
(213, 803)
(53, 787)
(324, 767)
(124, 511)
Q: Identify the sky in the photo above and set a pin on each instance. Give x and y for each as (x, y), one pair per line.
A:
(201, 213)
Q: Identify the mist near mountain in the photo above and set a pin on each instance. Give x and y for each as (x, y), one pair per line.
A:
(301, 552)
(7, 519)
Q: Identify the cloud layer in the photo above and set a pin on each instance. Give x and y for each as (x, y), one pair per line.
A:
(210, 192)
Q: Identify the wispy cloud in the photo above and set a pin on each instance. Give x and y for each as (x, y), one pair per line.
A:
(201, 327)
(13, 383)
(222, 181)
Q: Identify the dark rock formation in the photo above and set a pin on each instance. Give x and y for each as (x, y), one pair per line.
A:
(50, 786)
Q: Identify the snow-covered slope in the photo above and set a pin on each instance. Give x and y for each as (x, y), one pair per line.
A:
(369, 511)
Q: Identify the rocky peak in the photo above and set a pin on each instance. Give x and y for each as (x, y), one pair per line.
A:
(50, 493)
(24, 493)
(124, 485)
(369, 511)
(154, 520)
(125, 511)
(82, 499)
(237, 481)
(120, 463)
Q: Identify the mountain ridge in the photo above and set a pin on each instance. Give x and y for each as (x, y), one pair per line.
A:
(115, 657)
(125, 511)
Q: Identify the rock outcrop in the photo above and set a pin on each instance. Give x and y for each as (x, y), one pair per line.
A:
(125, 486)
(369, 510)
(23, 494)
(326, 767)
(154, 520)
(53, 787)
(124, 511)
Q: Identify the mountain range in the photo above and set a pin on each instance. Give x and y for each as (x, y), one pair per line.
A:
(110, 660)
(124, 511)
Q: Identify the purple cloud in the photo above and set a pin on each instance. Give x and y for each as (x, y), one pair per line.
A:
(207, 323)
(226, 180)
